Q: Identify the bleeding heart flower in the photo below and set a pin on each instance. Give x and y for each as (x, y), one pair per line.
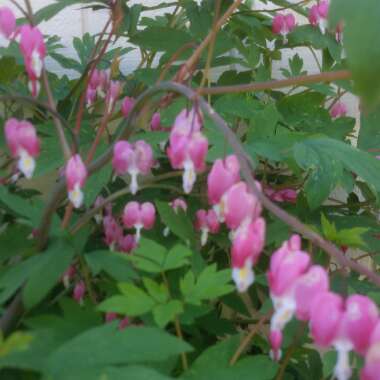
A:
(318, 15)
(135, 159)
(338, 110)
(79, 292)
(127, 243)
(238, 205)
(7, 22)
(247, 246)
(76, 175)
(223, 175)
(287, 265)
(206, 222)
(33, 49)
(283, 24)
(23, 142)
(155, 123)
(112, 95)
(127, 105)
(68, 275)
(139, 216)
(308, 286)
(113, 233)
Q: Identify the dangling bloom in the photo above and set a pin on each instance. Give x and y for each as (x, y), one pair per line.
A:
(112, 95)
(79, 292)
(127, 243)
(284, 195)
(68, 275)
(247, 246)
(155, 123)
(99, 202)
(177, 204)
(308, 286)
(206, 222)
(127, 105)
(318, 15)
(339, 33)
(139, 216)
(283, 24)
(125, 322)
(287, 265)
(371, 368)
(338, 110)
(110, 317)
(7, 22)
(346, 327)
(134, 159)
(113, 233)
(188, 147)
(76, 175)
(33, 49)
(23, 142)
(223, 175)
(238, 205)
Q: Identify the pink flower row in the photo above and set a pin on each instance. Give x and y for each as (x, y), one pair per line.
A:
(300, 289)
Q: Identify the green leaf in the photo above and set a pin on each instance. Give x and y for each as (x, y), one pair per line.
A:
(95, 184)
(328, 229)
(264, 123)
(18, 341)
(325, 158)
(114, 373)
(213, 363)
(149, 256)
(15, 239)
(108, 346)
(178, 222)
(210, 284)
(369, 132)
(158, 292)
(133, 302)
(14, 277)
(115, 264)
(161, 39)
(165, 313)
(361, 24)
(55, 261)
(177, 257)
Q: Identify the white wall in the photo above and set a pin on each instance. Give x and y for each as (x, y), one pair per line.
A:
(75, 21)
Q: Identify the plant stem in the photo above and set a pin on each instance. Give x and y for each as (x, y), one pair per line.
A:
(329, 76)
(247, 340)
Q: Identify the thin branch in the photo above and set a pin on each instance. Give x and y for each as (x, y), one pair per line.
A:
(35, 103)
(247, 167)
(188, 66)
(330, 76)
(247, 340)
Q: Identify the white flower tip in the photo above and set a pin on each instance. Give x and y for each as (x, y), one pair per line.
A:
(204, 236)
(275, 357)
(189, 177)
(76, 196)
(133, 187)
(26, 164)
(243, 278)
(166, 232)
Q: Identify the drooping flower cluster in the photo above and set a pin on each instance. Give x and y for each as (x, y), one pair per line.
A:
(282, 195)
(240, 209)
(188, 147)
(302, 290)
(134, 159)
(23, 142)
